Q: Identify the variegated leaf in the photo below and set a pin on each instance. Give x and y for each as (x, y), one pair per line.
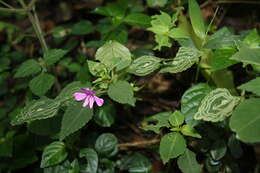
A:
(217, 105)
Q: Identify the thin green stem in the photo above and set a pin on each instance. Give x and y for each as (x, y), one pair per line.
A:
(5, 4)
(13, 10)
(214, 16)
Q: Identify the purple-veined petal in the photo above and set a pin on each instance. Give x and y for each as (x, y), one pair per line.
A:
(99, 101)
(91, 101)
(86, 102)
(79, 96)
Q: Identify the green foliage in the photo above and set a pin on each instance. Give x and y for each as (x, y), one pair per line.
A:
(82, 28)
(218, 150)
(53, 154)
(106, 144)
(144, 65)
(172, 145)
(189, 131)
(114, 55)
(37, 110)
(41, 84)
(92, 160)
(184, 59)
(156, 3)
(252, 86)
(248, 56)
(28, 68)
(188, 163)
(245, 120)
(191, 100)
(105, 115)
(74, 118)
(138, 19)
(196, 19)
(220, 59)
(121, 92)
(216, 106)
(176, 119)
(136, 163)
(54, 55)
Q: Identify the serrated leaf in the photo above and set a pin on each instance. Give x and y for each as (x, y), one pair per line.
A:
(185, 58)
(66, 94)
(114, 55)
(248, 56)
(172, 145)
(28, 68)
(37, 110)
(220, 59)
(53, 154)
(106, 144)
(189, 131)
(53, 55)
(92, 159)
(161, 120)
(138, 19)
(96, 68)
(252, 86)
(121, 92)
(196, 19)
(40, 84)
(216, 106)
(83, 27)
(188, 163)
(144, 65)
(75, 117)
(190, 101)
(176, 119)
(246, 119)
(161, 24)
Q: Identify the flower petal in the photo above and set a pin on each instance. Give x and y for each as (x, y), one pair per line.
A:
(99, 101)
(91, 101)
(86, 102)
(79, 96)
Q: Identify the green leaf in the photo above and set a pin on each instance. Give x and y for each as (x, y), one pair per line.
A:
(92, 159)
(53, 154)
(176, 119)
(138, 19)
(114, 54)
(218, 150)
(75, 117)
(185, 58)
(246, 119)
(161, 24)
(28, 68)
(162, 40)
(156, 3)
(190, 101)
(220, 59)
(41, 84)
(120, 34)
(121, 92)
(158, 120)
(53, 55)
(196, 19)
(223, 38)
(66, 95)
(188, 163)
(248, 56)
(252, 86)
(144, 65)
(112, 9)
(82, 28)
(37, 110)
(252, 40)
(65, 167)
(235, 147)
(106, 144)
(172, 145)
(104, 116)
(45, 127)
(136, 163)
(216, 106)
(75, 167)
(189, 131)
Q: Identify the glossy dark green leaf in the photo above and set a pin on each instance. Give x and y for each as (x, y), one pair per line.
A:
(53, 154)
(92, 160)
(105, 115)
(106, 144)
(75, 117)
(235, 147)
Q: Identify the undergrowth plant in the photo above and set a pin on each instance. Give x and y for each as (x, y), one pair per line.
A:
(205, 134)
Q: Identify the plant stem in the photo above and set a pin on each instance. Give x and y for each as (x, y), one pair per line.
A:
(139, 143)
(5, 4)
(237, 2)
(12, 10)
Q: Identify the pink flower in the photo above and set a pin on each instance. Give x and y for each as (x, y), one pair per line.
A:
(89, 97)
